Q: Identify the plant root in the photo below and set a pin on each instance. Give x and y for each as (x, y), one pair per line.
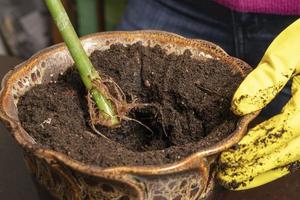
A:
(115, 95)
(112, 91)
(139, 122)
(98, 132)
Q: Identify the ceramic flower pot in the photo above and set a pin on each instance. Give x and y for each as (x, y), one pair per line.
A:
(65, 178)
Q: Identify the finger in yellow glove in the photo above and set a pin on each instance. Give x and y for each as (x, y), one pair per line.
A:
(268, 149)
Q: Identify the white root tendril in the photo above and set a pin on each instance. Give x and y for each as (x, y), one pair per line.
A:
(47, 121)
(112, 91)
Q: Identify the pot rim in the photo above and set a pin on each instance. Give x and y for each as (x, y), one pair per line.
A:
(199, 157)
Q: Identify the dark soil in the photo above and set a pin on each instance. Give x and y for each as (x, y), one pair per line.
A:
(190, 108)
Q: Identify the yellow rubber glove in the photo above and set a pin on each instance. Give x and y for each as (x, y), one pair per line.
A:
(267, 150)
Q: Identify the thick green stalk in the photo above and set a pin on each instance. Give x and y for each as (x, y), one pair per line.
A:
(83, 64)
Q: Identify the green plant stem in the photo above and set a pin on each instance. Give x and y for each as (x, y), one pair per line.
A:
(83, 64)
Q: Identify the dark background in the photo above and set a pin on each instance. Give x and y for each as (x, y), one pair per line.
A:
(26, 27)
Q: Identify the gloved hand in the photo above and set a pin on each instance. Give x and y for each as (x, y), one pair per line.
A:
(272, 148)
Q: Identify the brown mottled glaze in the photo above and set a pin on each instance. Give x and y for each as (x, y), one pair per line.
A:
(66, 178)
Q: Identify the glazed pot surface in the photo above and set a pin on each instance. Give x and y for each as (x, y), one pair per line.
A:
(66, 178)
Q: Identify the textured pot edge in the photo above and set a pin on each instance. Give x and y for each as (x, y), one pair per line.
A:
(15, 127)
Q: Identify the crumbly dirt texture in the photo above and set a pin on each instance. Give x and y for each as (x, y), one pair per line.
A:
(189, 108)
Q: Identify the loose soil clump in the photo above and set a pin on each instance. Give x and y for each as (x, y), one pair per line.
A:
(188, 108)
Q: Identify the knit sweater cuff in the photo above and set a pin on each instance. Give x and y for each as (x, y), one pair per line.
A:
(280, 7)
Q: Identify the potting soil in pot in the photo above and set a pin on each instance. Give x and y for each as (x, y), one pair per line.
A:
(189, 108)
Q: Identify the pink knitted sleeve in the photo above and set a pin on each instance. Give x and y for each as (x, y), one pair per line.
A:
(281, 7)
